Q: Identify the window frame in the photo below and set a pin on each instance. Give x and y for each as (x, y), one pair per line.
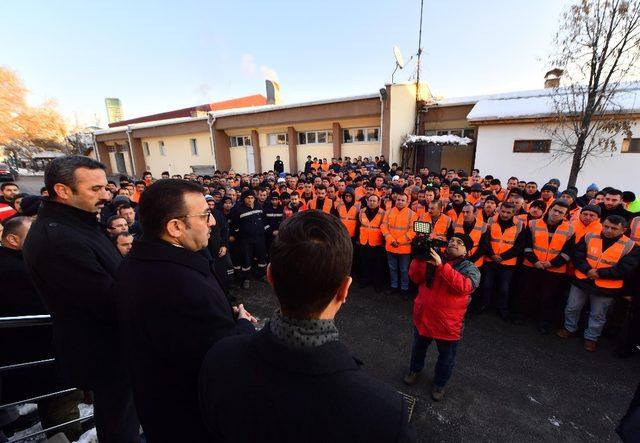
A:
(305, 135)
(277, 136)
(146, 149)
(628, 143)
(234, 141)
(352, 132)
(193, 144)
(531, 143)
(163, 148)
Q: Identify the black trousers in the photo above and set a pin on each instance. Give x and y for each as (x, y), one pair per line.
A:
(541, 296)
(373, 265)
(251, 248)
(114, 413)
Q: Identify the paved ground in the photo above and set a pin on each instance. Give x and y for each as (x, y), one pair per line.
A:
(510, 383)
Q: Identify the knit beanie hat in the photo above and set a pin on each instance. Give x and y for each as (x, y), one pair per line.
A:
(468, 243)
(246, 194)
(549, 187)
(592, 187)
(593, 208)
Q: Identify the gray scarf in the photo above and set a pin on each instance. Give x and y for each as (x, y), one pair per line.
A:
(302, 333)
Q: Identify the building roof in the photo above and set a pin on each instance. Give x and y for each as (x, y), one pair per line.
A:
(230, 112)
(447, 139)
(538, 105)
(241, 102)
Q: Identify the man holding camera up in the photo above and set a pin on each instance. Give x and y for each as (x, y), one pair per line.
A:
(440, 307)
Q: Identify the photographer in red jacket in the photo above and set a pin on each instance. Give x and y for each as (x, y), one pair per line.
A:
(440, 307)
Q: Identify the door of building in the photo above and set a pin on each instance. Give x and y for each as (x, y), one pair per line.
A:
(251, 166)
(120, 164)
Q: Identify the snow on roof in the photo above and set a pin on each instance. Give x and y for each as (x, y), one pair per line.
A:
(541, 104)
(439, 139)
(152, 124)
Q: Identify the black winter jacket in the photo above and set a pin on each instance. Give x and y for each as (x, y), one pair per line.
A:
(73, 264)
(172, 310)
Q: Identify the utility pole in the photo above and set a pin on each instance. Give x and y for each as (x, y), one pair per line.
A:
(415, 131)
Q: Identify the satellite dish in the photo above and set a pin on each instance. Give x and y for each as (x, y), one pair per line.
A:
(398, 56)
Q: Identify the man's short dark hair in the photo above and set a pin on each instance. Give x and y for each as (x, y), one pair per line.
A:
(310, 257)
(144, 174)
(560, 202)
(613, 192)
(122, 234)
(112, 219)
(62, 170)
(165, 173)
(617, 220)
(13, 226)
(628, 197)
(161, 202)
(7, 184)
(42, 189)
(508, 205)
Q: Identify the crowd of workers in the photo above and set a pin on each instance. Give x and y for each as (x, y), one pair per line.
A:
(529, 249)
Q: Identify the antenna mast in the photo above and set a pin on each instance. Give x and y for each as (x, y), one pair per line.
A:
(418, 72)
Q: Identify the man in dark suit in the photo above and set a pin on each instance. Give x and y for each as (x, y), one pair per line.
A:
(294, 381)
(73, 264)
(172, 310)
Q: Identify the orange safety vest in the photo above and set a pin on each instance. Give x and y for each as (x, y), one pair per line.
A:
(579, 229)
(326, 206)
(349, 218)
(418, 208)
(503, 241)
(476, 234)
(635, 230)
(397, 225)
(325, 167)
(599, 259)
(471, 199)
(360, 192)
(370, 233)
(440, 228)
(548, 246)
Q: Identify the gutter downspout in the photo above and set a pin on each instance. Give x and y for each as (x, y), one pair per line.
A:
(381, 122)
(211, 120)
(95, 145)
(133, 162)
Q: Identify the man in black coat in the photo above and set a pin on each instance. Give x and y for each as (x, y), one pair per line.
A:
(73, 264)
(172, 310)
(294, 381)
(278, 165)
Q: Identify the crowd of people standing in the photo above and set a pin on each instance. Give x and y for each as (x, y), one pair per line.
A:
(529, 249)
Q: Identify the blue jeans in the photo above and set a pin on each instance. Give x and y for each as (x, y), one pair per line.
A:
(599, 305)
(497, 278)
(399, 263)
(446, 357)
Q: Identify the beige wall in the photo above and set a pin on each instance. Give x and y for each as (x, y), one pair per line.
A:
(320, 150)
(354, 150)
(268, 156)
(403, 114)
(112, 160)
(178, 159)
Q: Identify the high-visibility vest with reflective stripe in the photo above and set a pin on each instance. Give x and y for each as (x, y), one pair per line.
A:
(635, 230)
(580, 230)
(599, 259)
(547, 246)
(326, 205)
(397, 225)
(6, 211)
(476, 234)
(370, 233)
(440, 228)
(349, 218)
(501, 242)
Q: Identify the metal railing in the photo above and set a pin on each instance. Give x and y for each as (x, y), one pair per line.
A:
(32, 321)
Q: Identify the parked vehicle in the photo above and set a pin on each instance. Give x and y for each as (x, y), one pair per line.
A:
(8, 173)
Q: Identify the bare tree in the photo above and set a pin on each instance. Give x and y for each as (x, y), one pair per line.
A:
(597, 46)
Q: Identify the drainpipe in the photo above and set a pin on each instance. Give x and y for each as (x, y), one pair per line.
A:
(211, 120)
(133, 162)
(95, 145)
(382, 98)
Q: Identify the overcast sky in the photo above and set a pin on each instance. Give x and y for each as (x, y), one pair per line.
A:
(157, 56)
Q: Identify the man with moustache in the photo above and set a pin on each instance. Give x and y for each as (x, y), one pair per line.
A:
(73, 265)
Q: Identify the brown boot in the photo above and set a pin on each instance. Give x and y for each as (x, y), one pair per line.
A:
(590, 345)
(563, 333)
(411, 378)
(437, 393)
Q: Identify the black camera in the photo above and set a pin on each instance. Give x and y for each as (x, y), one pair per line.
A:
(421, 245)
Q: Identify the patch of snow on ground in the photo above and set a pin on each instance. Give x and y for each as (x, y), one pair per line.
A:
(29, 172)
(533, 400)
(88, 437)
(85, 409)
(35, 428)
(27, 408)
(555, 421)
